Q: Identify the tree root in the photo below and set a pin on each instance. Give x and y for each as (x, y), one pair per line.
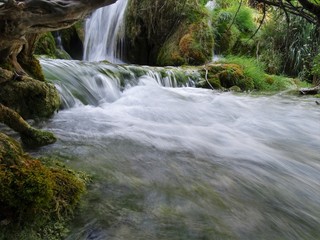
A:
(30, 136)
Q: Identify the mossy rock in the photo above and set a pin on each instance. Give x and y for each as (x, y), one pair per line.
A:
(168, 33)
(33, 194)
(46, 45)
(224, 76)
(191, 45)
(11, 152)
(30, 98)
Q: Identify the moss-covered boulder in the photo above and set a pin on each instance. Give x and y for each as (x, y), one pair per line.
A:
(219, 76)
(32, 194)
(11, 152)
(168, 33)
(192, 44)
(29, 97)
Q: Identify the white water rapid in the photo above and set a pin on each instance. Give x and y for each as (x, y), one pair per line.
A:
(104, 33)
(185, 163)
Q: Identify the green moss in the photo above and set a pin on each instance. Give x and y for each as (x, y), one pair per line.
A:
(168, 33)
(72, 42)
(46, 45)
(225, 76)
(191, 44)
(38, 138)
(10, 151)
(35, 200)
(253, 72)
(6, 65)
(30, 98)
(32, 66)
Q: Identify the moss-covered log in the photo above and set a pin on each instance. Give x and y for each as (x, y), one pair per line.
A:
(30, 136)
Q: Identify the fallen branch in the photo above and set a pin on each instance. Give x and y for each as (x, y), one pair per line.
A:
(310, 91)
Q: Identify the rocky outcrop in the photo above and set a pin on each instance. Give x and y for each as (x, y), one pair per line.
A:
(168, 33)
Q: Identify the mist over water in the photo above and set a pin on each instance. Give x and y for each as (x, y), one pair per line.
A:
(187, 163)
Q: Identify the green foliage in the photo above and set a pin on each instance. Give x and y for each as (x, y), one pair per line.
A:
(231, 26)
(288, 47)
(316, 66)
(244, 19)
(254, 70)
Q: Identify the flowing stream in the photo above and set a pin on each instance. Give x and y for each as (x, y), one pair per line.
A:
(170, 161)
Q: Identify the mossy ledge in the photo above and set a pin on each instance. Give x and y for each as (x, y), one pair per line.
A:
(31, 98)
(35, 200)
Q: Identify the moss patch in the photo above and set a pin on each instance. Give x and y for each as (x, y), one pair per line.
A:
(34, 196)
(225, 76)
(30, 98)
(32, 66)
(168, 33)
(46, 45)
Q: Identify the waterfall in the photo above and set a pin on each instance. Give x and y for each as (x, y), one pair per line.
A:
(211, 5)
(104, 38)
(86, 83)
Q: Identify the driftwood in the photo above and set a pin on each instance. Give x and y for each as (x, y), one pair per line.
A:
(21, 18)
(310, 91)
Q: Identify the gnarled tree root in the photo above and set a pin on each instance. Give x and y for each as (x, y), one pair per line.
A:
(30, 136)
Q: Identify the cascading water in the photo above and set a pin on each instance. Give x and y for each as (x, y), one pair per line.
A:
(104, 33)
(185, 163)
(175, 162)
